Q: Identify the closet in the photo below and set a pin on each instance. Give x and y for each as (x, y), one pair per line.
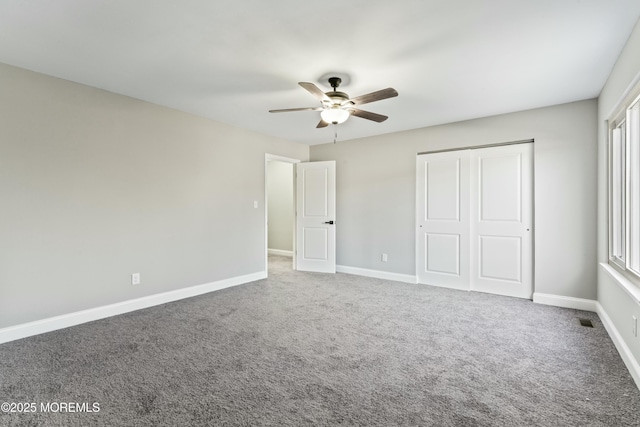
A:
(475, 219)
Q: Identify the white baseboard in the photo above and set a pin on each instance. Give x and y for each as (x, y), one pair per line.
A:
(377, 274)
(280, 252)
(71, 319)
(566, 302)
(626, 354)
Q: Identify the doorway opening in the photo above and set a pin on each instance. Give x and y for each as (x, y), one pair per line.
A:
(280, 241)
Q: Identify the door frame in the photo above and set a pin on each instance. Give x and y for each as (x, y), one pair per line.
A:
(271, 158)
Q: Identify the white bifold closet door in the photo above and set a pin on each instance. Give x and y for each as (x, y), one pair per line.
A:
(475, 210)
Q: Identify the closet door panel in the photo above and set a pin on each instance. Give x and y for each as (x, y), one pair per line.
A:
(501, 220)
(443, 219)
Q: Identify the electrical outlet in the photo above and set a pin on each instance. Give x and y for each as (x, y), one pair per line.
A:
(135, 279)
(635, 326)
(385, 258)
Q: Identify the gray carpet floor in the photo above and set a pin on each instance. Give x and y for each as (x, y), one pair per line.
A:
(313, 349)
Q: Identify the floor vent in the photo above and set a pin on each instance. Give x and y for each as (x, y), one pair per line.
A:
(586, 322)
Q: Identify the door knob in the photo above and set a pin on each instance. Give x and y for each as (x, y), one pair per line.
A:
(328, 222)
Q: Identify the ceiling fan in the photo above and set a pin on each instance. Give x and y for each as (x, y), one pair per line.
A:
(336, 107)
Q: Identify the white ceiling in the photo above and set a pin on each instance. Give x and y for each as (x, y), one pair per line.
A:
(233, 60)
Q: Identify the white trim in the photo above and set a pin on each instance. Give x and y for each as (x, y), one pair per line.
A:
(625, 353)
(625, 96)
(71, 319)
(280, 252)
(273, 157)
(565, 302)
(377, 274)
(632, 290)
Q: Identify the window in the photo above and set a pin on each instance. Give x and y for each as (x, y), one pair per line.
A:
(624, 188)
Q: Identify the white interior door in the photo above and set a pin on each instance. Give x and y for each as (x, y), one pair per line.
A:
(502, 219)
(315, 216)
(443, 219)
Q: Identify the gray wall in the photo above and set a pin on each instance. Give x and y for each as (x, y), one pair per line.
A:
(376, 191)
(96, 186)
(280, 205)
(618, 305)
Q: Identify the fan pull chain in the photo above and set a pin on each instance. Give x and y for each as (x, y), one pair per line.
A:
(335, 134)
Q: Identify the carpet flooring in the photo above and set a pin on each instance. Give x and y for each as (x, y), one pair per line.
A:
(302, 349)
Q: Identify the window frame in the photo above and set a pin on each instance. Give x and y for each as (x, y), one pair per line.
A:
(630, 182)
(620, 261)
(633, 188)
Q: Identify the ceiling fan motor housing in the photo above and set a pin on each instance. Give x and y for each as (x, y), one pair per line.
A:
(337, 97)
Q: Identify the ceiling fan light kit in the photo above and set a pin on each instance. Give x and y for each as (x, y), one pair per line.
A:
(334, 115)
(336, 107)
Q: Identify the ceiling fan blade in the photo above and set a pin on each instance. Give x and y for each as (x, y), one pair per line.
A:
(374, 96)
(322, 124)
(368, 115)
(315, 91)
(287, 110)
